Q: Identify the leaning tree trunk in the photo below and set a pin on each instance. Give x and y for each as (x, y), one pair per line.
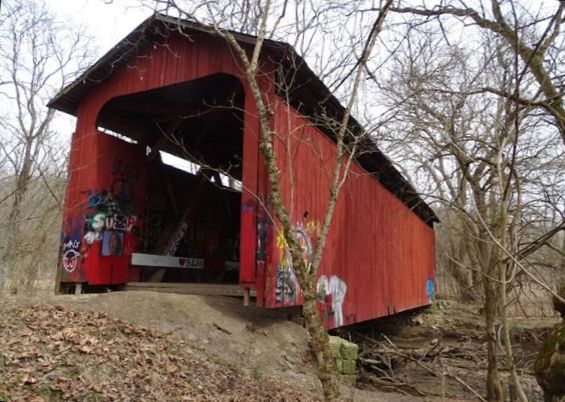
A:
(320, 344)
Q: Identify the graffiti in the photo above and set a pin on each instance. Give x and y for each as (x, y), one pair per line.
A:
(124, 170)
(96, 222)
(91, 237)
(98, 201)
(71, 254)
(70, 249)
(248, 207)
(331, 294)
(286, 286)
(110, 216)
(71, 244)
(121, 223)
(303, 235)
(262, 230)
(430, 289)
(122, 192)
(193, 263)
(117, 199)
(112, 244)
(175, 241)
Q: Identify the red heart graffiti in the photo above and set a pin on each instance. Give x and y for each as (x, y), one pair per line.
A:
(181, 262)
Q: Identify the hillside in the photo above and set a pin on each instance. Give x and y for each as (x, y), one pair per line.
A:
(167, 347)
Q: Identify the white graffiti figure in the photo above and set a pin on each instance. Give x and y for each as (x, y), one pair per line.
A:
(336, 288)
(91, 237)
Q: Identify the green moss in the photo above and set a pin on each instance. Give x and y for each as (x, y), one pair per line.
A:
(335, 346)
(349, 367)
(339, 365)
(349, 350)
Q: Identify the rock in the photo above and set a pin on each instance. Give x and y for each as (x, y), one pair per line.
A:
(349, 367)
(335, 346)
(345, 355)
(349, 350)
(339, 365)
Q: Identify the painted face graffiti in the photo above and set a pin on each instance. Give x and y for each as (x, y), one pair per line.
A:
(70, 260)
(112, 244)
(71, 255)
(98, 222)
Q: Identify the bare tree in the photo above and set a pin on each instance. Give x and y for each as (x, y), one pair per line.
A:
(38, 56)
(532, 33)
(486, 161)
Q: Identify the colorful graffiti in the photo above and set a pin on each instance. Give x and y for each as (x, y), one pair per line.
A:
(71, 254)
(287, 288)
(264, 224)
(70, 250)
(430, 289)
(112, 243)
(110, 214)
(331, 294)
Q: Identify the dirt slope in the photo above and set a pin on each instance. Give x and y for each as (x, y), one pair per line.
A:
(156, 346)
(261, 350)
(54, 353)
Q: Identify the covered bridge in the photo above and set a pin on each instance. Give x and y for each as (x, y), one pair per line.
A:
(134, 213)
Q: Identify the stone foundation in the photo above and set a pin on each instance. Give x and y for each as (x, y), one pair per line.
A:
(345, 356)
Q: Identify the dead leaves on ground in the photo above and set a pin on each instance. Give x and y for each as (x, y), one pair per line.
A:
(53, 353)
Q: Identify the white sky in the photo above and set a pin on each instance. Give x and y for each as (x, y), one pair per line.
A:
(107, 22)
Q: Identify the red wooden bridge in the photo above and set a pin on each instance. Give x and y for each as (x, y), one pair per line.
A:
(171, 87)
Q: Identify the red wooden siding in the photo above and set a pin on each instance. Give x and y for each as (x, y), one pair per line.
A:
(379, 256)
(172, 61)
(380, 249)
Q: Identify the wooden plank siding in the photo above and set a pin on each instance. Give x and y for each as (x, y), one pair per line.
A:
(379, 256)
(175, 59)
(382, 250)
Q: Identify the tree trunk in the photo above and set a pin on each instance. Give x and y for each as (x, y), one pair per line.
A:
(494, 386)
(321, 346)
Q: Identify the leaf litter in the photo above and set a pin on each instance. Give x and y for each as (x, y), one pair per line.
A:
(52, 353)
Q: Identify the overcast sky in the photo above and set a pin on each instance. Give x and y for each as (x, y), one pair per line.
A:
(107, 21)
